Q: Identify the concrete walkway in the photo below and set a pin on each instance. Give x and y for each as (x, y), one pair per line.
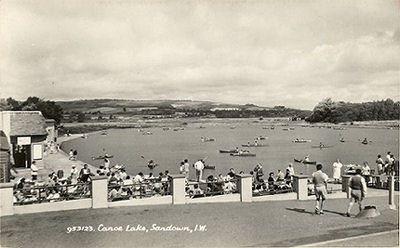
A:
(52, 162)
(257, 224)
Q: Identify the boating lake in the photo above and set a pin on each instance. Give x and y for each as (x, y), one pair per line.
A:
(169, 148)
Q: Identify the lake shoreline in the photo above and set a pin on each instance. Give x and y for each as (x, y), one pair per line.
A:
(90, 127)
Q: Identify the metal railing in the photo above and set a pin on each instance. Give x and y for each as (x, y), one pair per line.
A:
(32, 194)
(211, 188)
(272, 188)
(148, 188)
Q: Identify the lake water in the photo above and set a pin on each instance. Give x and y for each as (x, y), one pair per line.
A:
(170, 147)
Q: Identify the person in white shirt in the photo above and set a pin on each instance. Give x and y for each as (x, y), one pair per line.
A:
(291, 169)
(380, 164)
(34, 171)
(186, 168)
(199, 167)
(182, 168)
(365, 171)
(320, 181)
(74, 174)
(337, 166)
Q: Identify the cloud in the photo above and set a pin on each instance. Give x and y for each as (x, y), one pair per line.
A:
(263, 52)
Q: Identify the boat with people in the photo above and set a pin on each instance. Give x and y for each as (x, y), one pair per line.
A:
(253, 145)
(285, 129)
(261, 137)
(151, 164)
(178, 129)
(209, 167)
(304, 161)
(365, 141)
(104, 133)
(321, 145)
(102, 157)
(147, 133)
(301, 141)
(243, 154)
(228, 151)
(206, 139)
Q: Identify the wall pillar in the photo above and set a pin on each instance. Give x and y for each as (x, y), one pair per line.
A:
(391, 192)
(99, 192)
(178, 188)
(6, 199)
(346, 184)
(244, 186)
(300, 183)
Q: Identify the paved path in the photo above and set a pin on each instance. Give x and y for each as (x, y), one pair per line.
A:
(52, 162)
(258, 224)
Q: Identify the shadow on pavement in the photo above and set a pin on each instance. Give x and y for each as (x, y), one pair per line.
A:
(300, 210)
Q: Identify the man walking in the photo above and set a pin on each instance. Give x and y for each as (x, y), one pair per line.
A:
(358, 189)
(320, 181)
(199, 167)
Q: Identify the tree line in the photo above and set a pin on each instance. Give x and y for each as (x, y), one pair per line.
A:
(49, 109)
(335, 112)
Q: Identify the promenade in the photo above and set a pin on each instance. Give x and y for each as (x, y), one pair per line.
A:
(257, 224)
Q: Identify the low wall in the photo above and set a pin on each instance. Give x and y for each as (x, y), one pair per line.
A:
(53, 206)
(214, 199)
(155, 200)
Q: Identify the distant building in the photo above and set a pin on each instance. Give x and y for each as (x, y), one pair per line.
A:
(25, 131)
(224, 109)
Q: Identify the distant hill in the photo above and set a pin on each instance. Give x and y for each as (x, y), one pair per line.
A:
(112, 106)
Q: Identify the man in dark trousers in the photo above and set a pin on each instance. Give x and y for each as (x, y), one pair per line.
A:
(358, 189)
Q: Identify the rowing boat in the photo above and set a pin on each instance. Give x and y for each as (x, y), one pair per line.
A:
(152, 166)
(209, 167)
(102, 157)
(304, 162)
(243, 154)
(321, 146)
(300, 141)
(253, 145)
(227, 151)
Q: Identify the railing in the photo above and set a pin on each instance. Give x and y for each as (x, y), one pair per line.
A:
(381, 181)
(148, 188)
(32, 194)
(272, 188)
(211, 188)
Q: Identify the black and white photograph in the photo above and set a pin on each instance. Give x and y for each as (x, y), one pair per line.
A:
(199, 123)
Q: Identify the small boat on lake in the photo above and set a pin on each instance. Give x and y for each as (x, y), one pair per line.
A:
(228, 151)
(205, 139)
(209, 167)
(104, 133)
(253, 145)
(321, 146)
(147, 133)
(102, 157)
(300, 141)
(304, 162)
(243, 154)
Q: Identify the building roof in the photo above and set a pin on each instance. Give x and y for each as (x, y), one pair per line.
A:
(27, 123)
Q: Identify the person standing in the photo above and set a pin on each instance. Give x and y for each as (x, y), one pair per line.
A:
(71, 154)
(291, 169)
(74, 174)
(182, 168)
(366, 171)
(320, 181)
(358, 189)
(337, 166)
(186, 168)
(75, 154)
(199, 167)
(34, 171)
(84, 174)
(380, 164)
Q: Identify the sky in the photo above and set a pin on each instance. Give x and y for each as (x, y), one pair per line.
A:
(271, 52)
